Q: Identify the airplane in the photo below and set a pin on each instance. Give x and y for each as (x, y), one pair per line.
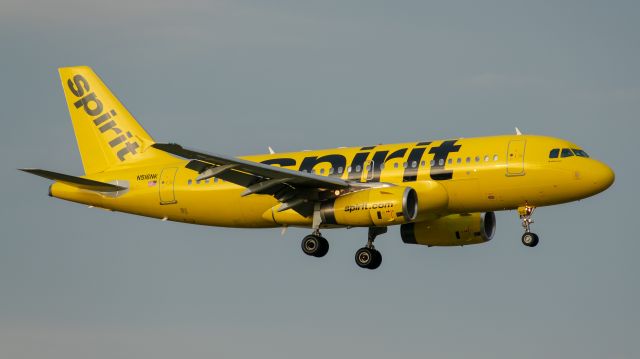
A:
(441, 193)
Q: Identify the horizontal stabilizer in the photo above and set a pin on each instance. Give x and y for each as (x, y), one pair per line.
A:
(78, 182)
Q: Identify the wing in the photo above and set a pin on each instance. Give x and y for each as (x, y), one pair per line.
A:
(296, 190)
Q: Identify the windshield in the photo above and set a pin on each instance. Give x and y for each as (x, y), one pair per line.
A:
(579, 153)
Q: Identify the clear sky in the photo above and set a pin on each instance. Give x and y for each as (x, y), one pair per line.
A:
(235, 77)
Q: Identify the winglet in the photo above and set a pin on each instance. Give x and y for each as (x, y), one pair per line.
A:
(271, 151)
(518, 132)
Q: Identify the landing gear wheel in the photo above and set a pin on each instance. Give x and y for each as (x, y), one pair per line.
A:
(377, 260)
(315, 246)
(368, 258)
(530, 239)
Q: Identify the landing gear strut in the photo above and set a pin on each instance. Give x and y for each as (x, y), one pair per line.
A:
(529, 238)
(315, 245)
(367, 256)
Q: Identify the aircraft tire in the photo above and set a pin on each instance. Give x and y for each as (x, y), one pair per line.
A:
(315, 246)
(368, 258)
(530, 239)
(377, 260)
(324, 247)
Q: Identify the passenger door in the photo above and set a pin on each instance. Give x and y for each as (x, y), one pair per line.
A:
(515, 157)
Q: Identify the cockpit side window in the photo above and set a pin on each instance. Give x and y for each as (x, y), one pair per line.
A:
(566, 153)
(580, 153)
(554, 153)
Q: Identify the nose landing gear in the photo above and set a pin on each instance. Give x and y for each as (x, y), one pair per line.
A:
(529, 238)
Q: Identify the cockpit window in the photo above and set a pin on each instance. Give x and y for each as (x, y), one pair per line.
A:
(554, 153)
(580, 153)
(566, 153)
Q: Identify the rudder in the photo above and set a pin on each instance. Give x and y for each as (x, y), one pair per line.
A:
(107, 134)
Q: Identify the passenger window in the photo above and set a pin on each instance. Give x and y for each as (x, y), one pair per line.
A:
(340, 169)
(404, 165)
(495, 158)
(322, 171)
(349, 169)
(395, 165)
(423, 163)
(477, 158)
(414, 164)
(441, 162)
(459, 160)
(450, 161)
(331, 170)
(358, 168)
(566, 153)
(206, 181)
(554, 153)
(432, 163)
(486, 158)
(198, 182)
(381, 166)
(189, 182)
(468, 159)
(215, 179)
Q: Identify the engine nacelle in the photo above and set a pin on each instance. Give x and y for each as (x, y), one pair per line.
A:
(372, 207)
(451, 230)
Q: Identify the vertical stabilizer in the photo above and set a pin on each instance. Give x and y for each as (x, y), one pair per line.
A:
(106, 132)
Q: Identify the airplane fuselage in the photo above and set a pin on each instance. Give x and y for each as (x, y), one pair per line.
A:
(470, 175)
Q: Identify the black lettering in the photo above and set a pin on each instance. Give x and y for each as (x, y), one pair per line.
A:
(357, 166)
(78, 86)
(105, 116)
(282, 162)
(437, 171)
(85, 101)
(129, 148)
(411, 172)
(335, 160)
(111, 125)
(380, 158)
(116, 141)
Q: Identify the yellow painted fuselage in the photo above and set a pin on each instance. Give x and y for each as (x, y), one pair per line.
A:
(452, 176)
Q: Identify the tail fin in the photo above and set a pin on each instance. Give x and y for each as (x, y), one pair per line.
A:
(106, 132)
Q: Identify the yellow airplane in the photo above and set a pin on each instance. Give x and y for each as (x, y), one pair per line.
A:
(441, 193)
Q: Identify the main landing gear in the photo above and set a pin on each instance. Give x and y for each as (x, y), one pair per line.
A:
(315, 244)
(529, 238)
(367, 256)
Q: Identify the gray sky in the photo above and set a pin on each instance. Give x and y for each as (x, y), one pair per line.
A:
(235, 77)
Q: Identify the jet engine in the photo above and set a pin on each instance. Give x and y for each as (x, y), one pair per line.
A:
(372, 207)
(451, 230)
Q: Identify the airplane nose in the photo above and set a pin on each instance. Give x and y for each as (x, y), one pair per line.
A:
(602, 176)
